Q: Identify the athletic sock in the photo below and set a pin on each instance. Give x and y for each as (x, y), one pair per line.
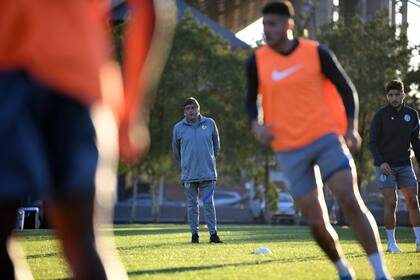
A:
(417, 234)
(390, 235)
(377, 263)
(342, 267)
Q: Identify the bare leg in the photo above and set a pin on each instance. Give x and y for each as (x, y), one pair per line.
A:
(8, 221)
(344, 188)
(390, 207)
(390, 210)
(315, 211)
(73, 221)
(411, 197)
(105, 193)
(323, 232)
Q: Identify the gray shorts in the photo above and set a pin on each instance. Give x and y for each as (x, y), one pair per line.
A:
(298, 165)
(401, 176)
(47, 142)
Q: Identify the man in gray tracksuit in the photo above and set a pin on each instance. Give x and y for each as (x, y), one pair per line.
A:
(195, 145)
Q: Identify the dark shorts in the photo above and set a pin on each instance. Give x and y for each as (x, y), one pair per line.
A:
(401, 176)
(328, 153)
(47, 142)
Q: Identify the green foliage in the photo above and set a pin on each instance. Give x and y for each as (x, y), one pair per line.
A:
(273, 196)
(371, 54)
(412, 86)
(260, 176)
(117, 32)
(201, 64)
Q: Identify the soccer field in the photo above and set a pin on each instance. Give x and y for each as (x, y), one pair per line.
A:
(165, 252)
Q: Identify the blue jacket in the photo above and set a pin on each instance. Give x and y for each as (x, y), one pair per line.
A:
(195, 146)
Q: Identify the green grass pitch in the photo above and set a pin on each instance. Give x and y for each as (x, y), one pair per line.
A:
(164, 251)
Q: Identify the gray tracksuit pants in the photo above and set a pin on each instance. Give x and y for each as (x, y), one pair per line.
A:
(205, 192)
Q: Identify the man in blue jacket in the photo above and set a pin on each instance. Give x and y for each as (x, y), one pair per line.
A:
(394, 128)
(195, 145)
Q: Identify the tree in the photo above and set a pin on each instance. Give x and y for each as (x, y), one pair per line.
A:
(371, 54)
(203, 65)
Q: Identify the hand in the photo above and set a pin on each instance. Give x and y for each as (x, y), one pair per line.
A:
(353, 140)
(385, 169)
(134, 139)
(418, 175)
(263, 133)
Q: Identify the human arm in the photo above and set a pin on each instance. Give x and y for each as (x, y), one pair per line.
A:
(176, 146)
(261, 132)
(374, 136)
(333, 71)
(252, 89)
(216, 140)
(147, 40)
(138, 37)
(414, 140)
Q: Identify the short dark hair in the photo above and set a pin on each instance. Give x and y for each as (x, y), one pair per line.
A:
(191, 100)
(394, 84)
(282, 8)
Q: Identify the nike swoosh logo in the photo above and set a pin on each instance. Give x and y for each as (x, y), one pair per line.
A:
(280, 75)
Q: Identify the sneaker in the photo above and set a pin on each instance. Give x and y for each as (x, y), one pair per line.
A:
(214, 238)
(393, 248)
(346, 277)
(350, 276)
(195, 238)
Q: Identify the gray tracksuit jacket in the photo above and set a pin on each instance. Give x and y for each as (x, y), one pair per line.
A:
(195, 146)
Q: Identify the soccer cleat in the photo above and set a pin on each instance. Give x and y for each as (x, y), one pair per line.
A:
(393, 248)
(195, 238)
(214, 238)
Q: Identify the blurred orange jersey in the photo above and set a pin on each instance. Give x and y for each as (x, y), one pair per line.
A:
(65, 45)
(299, 102)
(61, 43)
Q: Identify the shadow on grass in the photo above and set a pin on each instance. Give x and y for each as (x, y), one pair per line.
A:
(410, 277)
(229, 239)
(137, 231)
(126, 230)
(243, 230)
(194, 268)
(36, 233)
(232, 235)
(246, 232)
(208, 267)
(49, 255)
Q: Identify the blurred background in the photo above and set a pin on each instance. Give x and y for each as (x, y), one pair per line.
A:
(375, 40)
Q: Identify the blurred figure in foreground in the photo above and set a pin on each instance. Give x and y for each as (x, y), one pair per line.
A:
(65, 110)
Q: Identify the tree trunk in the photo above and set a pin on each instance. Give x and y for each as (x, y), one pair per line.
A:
(348, 10)
(267, 209)
(157, 195)
(135, 180)
(362, 123)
